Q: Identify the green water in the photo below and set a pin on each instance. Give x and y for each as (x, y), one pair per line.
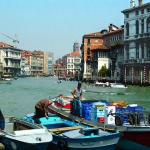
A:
(20, 97)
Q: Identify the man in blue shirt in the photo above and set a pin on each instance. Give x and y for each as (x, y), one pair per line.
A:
(2, 122)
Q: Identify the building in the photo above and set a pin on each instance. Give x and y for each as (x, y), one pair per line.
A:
(72, 62)
(10, 58)
(76, 47)
(89, 41)
(48, 63)
(33, 62)
(137, 42)
(103, 48)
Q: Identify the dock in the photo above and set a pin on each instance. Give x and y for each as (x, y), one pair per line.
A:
(2, 147)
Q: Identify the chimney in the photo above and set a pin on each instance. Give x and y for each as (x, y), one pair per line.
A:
(140, 2)
(132, 3)
(110, 28)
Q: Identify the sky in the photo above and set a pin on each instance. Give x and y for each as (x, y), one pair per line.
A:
(55, 25)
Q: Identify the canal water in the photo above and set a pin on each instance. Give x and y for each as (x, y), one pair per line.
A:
(20, 97)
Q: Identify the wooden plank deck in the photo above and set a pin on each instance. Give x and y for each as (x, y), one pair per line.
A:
(65, 128)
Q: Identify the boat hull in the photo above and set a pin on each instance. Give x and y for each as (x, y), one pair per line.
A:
(135, 140)
(11, 144)
(95, 144)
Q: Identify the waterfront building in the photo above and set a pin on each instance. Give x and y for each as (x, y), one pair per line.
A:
(10, 58)
(72, 62)
(48, 63)
(34, 62)
(113, 38)
(137, 42)
(103, 48)
(89, 41)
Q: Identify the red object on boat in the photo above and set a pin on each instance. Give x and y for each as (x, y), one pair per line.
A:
(100, 119)
(61, 106)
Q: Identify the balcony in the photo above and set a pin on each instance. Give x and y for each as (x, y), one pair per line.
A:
(12, 66)
(13, 57)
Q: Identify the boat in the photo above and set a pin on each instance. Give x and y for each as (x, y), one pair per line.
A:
(100, 87)
(5, 81)
(69, 135)
(133, 123)
(20, 134)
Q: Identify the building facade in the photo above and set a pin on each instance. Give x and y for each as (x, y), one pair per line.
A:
(137, 42)
(48, 63)
(10, 58)
(103, 48)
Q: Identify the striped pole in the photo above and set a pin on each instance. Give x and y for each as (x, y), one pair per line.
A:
(132, 75)
(125, 75)
(115, 75)
(144, 74)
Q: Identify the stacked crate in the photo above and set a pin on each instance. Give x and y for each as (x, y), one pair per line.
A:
(98, 112)
(86, 110)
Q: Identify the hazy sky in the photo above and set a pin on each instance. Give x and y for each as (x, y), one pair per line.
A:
(54, 25)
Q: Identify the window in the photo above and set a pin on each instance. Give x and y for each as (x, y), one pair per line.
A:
(148, 52)
(148, 9)
(88, 41)
(142, 26)
(137, 12)
(148, 25)
(142, 11)
(137, 27)
(137, 50)
(127, 29)
(142, 48)
(127, 15)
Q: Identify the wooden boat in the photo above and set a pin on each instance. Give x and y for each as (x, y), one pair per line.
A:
(20, 134)
(135, 135)
(100, 87)
(75, 136)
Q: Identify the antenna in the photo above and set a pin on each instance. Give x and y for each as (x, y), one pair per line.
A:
(14, 39)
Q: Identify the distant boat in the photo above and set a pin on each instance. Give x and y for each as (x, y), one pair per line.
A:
(5, 81)
(100, 87)
(68, 135)
(20, 134)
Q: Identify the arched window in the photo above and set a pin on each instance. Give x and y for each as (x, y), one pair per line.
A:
(142, 26)
(127, 29)
(137, 27)
(148, 25)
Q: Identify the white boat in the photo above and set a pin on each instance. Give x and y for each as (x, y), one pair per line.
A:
(100, 87)
(22, 135)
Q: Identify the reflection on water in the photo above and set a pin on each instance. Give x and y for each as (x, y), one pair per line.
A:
(20, 97)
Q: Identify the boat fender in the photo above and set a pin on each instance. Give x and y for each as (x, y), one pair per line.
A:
(62, 145)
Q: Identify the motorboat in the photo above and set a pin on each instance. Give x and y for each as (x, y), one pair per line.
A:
(100, 87)
(74, 136)
(20, 134)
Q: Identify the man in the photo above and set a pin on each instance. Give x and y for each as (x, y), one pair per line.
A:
(41, 108)
(2, 122)
(77, 92)
(77, 106)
